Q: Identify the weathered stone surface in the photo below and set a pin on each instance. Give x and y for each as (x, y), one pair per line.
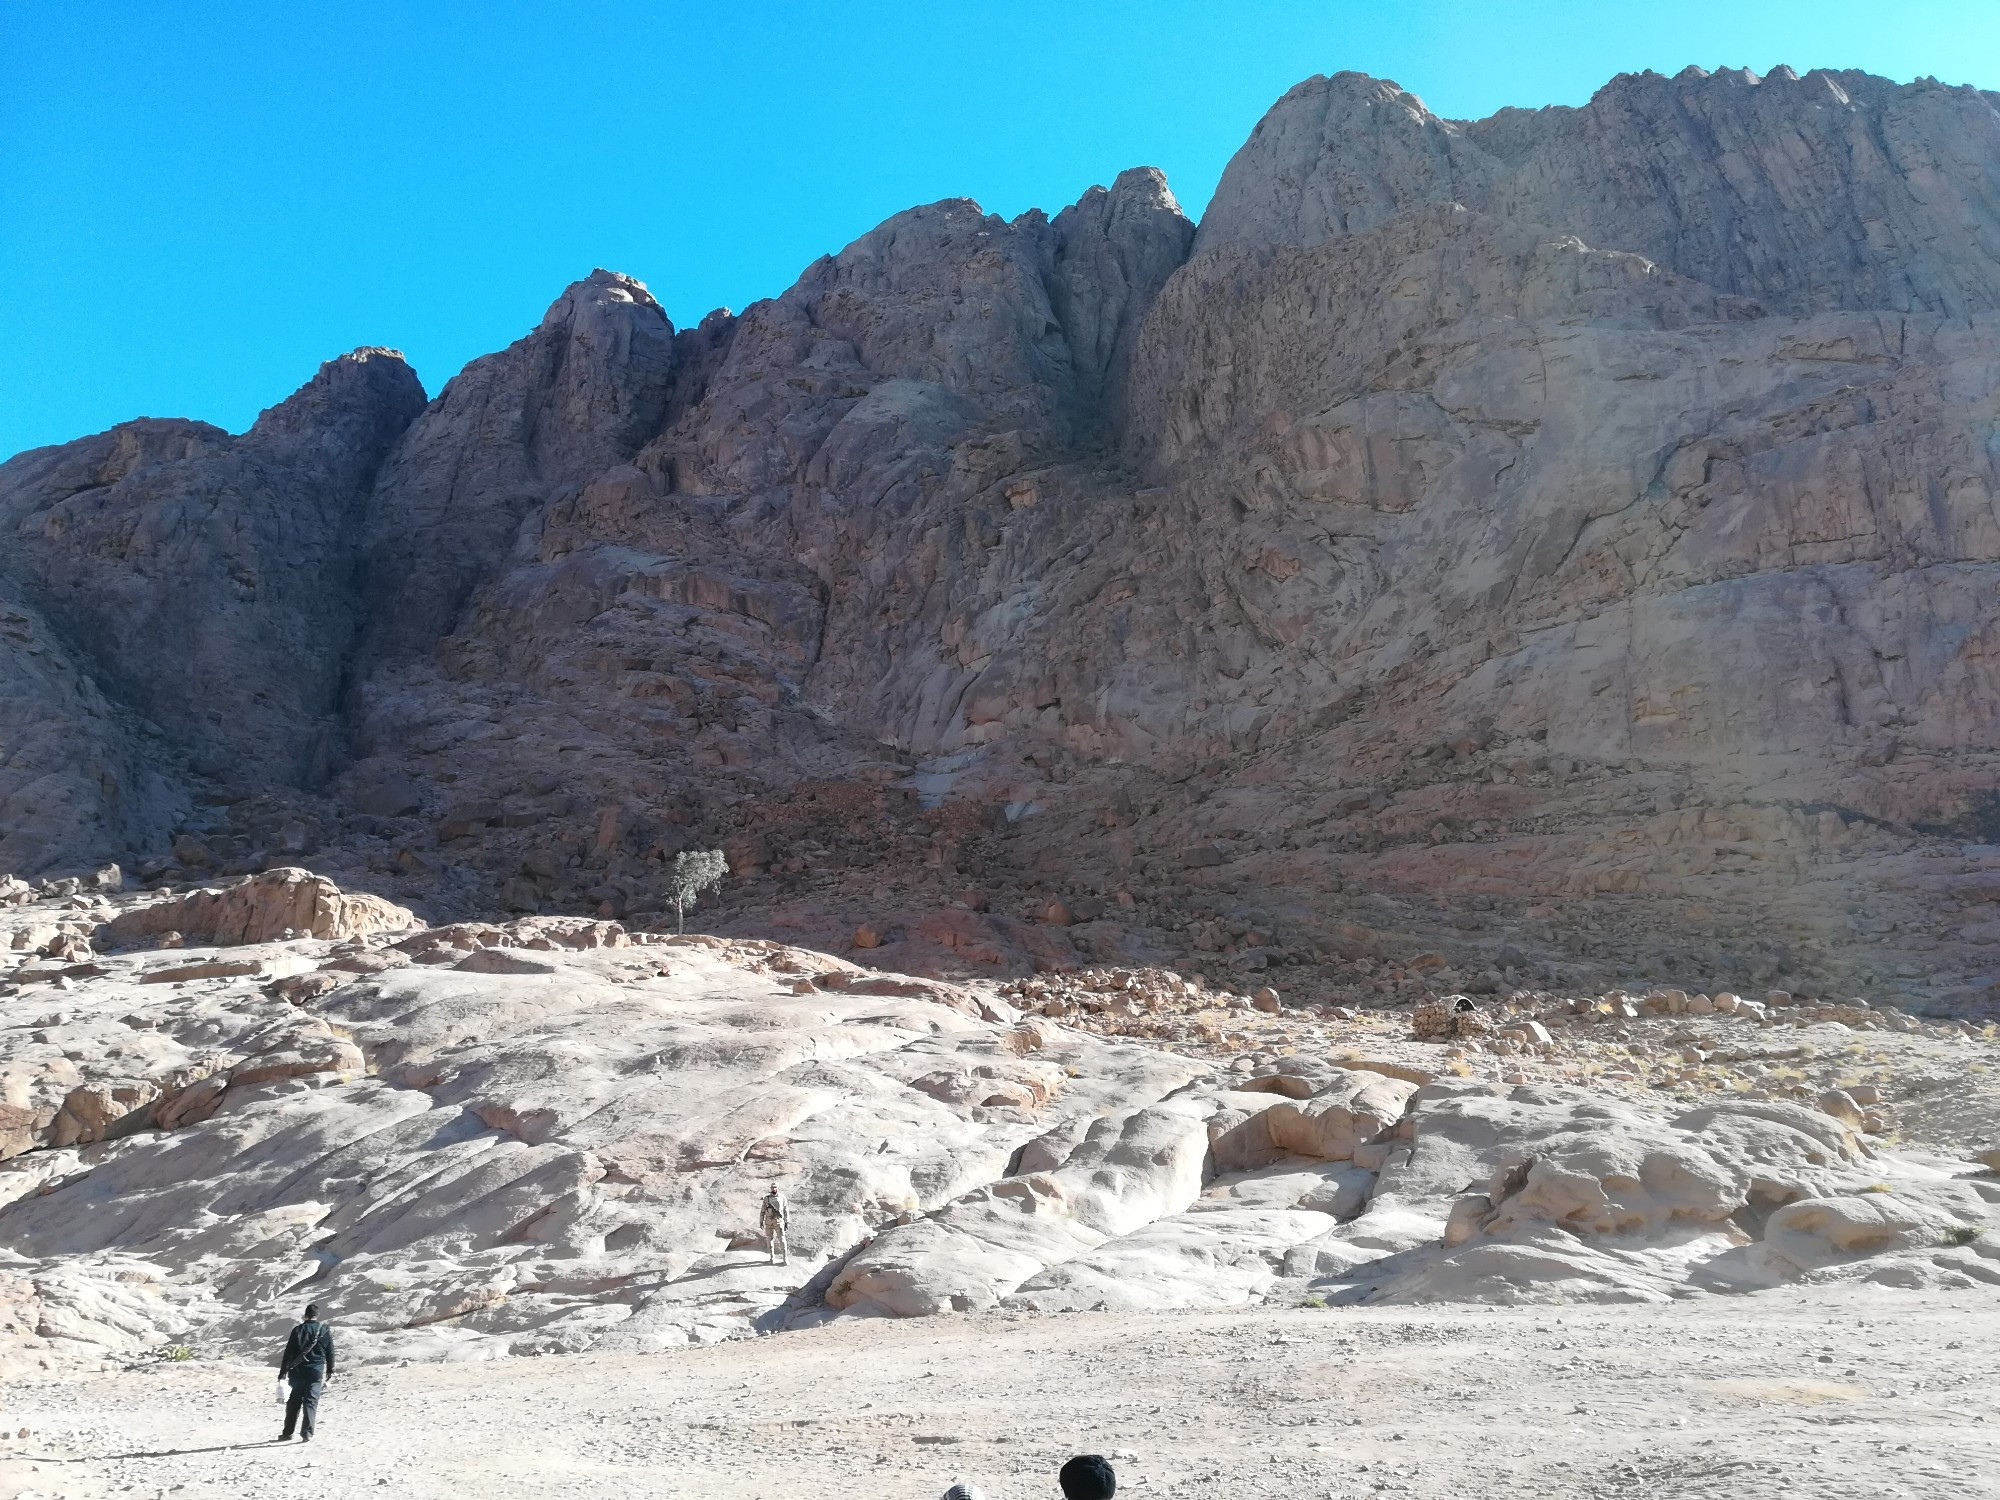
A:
(1127, 1170)
(277, 904)
(502, 961)
(1476, 550)
(1353, 1110)
(1836, 190)
(77, 781)
(553, 1133)
(198, 579)
(505, 437)
(601, 1143)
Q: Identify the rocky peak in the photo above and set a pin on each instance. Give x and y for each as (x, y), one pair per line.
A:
(348, 415)
(40, 477)
(606, 354)
(1337, 155)
(201, 581)
(1113, 251)
(1805, 192)
(972, 277)
(1538, 506)
(595, 295)
(580, 393)
(364, 377)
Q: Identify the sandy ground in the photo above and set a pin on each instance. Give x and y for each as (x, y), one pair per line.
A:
(1804, 1393)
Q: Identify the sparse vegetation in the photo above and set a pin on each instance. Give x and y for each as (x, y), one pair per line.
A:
(695, 871)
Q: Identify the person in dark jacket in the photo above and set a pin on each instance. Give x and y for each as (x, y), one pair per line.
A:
(308, 1364)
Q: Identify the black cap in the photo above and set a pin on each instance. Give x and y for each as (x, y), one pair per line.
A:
(1088, 1477)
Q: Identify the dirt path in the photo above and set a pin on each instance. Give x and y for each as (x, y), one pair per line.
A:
(1801, 1394)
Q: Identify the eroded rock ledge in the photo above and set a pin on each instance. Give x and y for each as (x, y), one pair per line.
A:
(553, 1133)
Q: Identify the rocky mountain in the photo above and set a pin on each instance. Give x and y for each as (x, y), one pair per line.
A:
(1551, 548)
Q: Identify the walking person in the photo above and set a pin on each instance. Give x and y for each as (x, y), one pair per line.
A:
(774, 1219)
(308, 1364)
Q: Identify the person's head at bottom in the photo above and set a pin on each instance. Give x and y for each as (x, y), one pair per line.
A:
(312, 1311)
(1088, 1477)
(962, 1491)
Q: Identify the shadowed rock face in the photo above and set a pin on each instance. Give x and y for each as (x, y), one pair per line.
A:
(514, 431)
(1562, 542)
(194, 588)
(76, 785)
(205, 577)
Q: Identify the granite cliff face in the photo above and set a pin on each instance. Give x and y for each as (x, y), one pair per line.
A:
(181, 610)
(1835, 191)
(1556, 546)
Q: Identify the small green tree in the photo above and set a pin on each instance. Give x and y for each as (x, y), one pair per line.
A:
(695, 871)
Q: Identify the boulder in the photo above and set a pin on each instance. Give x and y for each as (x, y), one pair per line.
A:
(260, 909)
(1355, 1109)
(1815, 1233)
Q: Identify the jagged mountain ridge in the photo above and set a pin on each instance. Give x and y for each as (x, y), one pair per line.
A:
(1563, 540)
(1832, 191)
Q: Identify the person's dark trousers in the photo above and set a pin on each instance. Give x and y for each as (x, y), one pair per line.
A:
(307, 1382)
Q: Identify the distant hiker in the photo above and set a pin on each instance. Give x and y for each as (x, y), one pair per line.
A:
(1088, 1476)
(308, 1364)
(775, 1218)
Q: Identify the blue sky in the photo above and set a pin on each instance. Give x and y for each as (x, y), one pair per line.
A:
(201, 201)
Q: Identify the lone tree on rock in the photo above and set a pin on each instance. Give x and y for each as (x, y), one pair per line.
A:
(695, 871)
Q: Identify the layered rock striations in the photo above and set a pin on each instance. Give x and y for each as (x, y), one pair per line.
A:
(1556, 545)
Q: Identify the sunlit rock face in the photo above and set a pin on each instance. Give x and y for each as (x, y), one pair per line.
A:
(555, 1133)
(1554, 547)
